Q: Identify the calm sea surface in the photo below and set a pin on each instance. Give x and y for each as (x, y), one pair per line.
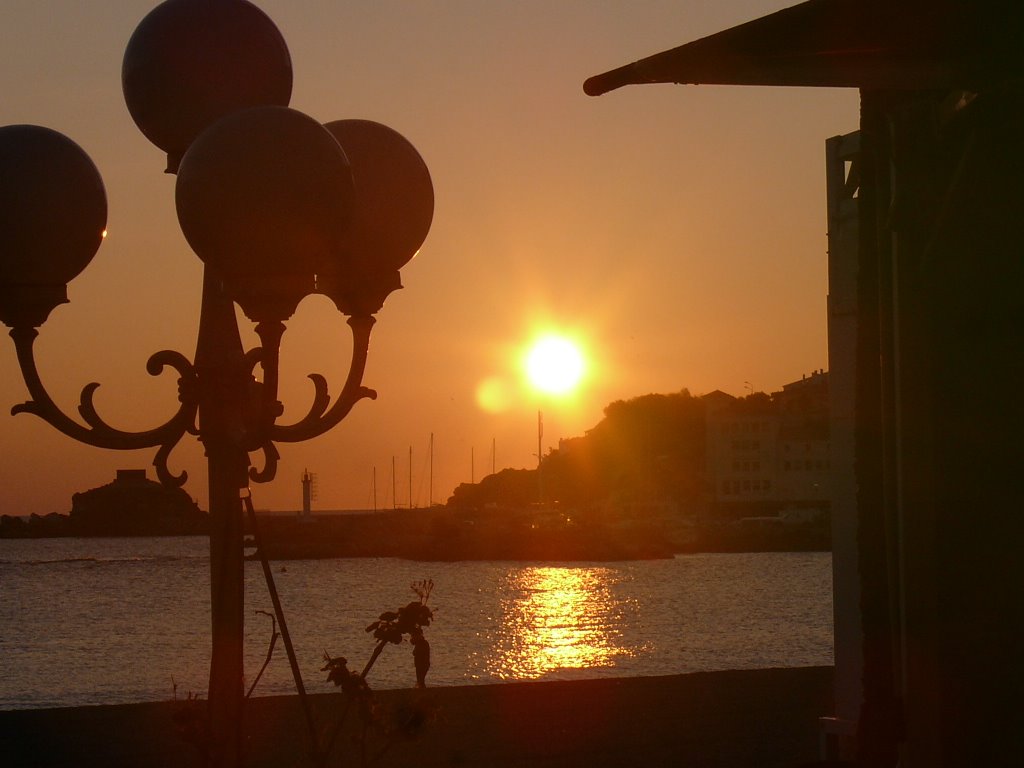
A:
(105, 621)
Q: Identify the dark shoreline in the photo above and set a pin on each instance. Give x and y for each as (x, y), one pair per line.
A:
(452, 535)
(765, 718)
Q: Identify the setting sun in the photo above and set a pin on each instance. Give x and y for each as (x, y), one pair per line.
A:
(554, 364)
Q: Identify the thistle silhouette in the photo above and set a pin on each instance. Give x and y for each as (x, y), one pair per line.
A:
(390, 628)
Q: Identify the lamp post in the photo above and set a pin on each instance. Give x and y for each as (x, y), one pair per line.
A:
(277, 206)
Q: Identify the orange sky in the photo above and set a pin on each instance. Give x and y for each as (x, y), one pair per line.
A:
(679, 232)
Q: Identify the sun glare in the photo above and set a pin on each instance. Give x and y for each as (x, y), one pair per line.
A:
(554, 364)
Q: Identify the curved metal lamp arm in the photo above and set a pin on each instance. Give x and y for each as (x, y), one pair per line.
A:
(319, 419)
(97, 432)
(269, 471)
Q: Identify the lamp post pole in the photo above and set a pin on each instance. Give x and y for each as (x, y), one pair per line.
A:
(278, 206)
(220, 368)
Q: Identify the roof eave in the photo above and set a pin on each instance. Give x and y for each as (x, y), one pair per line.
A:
(819, 43)
(791, 71)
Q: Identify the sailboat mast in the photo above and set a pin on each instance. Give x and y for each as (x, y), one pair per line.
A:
(540, 458)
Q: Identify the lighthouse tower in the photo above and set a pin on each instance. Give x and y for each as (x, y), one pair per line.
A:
(308, 493)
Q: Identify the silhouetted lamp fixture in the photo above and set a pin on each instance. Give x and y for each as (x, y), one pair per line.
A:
(190, 62)
(276, 205)
(54, 211)
(390, 221)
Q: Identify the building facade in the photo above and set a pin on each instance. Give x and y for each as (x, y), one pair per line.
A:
(769, 453)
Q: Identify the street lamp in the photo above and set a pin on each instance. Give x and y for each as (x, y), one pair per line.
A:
(277, 206)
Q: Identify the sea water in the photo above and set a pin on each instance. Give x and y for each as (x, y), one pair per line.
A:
(106, 621)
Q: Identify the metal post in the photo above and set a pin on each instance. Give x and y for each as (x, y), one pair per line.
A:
(223, 378)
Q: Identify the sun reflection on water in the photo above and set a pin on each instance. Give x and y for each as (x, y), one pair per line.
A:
(556, 619)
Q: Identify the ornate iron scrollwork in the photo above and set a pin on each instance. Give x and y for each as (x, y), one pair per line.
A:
(96, 431)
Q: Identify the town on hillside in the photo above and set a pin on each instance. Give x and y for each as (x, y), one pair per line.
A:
(696, 473)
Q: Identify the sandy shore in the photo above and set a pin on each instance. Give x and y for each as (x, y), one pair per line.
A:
(762, 718)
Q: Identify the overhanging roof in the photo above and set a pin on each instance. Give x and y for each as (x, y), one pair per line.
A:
(874, 44)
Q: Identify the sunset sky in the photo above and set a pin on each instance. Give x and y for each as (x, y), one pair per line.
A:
(676, 234)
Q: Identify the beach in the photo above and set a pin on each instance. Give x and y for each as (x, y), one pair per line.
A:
(765, 718)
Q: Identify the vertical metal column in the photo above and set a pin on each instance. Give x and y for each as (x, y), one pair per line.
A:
(842, 180)
(223, 377)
